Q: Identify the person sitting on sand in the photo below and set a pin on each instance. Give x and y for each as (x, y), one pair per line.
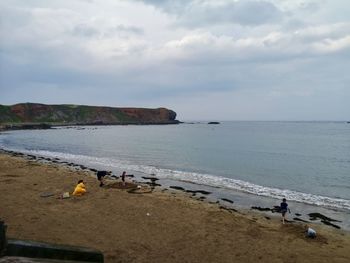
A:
(284, 209)
(310, 232)
(80, 189)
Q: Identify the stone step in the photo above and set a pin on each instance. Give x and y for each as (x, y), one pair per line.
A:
(33, 249)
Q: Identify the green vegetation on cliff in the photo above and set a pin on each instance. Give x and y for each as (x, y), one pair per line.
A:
(82, 115)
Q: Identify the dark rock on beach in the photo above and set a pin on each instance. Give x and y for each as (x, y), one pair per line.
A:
(197, 192)
(261, 208)
(315, 216)
(324, 219)
(150, 178)
(330, 224)
(228, 209)
(177, 188)
(227, 200)
(276, 209)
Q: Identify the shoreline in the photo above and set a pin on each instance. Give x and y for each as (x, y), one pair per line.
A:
(225, 199)
(177, 226)
(46, 126)
(262, 188)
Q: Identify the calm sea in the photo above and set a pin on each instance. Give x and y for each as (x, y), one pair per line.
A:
(307, 162)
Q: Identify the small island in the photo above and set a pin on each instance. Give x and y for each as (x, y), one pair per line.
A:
(213, 122)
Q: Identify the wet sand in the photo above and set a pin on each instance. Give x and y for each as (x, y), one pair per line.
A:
(149, 227)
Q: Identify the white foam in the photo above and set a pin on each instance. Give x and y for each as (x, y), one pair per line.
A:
(198, 178)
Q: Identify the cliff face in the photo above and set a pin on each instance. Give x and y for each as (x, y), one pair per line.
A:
(80, 114)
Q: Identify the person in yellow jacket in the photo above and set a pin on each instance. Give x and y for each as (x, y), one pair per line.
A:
(80, 189)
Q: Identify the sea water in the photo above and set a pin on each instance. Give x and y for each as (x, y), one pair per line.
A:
(306, 162)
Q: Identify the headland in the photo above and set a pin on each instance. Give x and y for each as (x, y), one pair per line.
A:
(43, 116)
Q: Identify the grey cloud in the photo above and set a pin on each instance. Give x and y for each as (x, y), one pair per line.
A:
(13, 18)
(129, 29)
(169, 6)
(195, 14)
(294, 24)
(84, 30)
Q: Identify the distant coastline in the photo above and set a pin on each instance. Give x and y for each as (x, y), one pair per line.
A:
(42, 116)
(46, 126)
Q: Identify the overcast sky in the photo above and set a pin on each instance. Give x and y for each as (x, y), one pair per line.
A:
(205, 59)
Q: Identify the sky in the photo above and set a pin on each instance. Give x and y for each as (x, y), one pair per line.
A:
(204, 59)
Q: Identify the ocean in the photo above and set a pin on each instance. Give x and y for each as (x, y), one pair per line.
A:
(253, 163)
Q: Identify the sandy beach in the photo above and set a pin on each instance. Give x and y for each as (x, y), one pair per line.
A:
(151, 227)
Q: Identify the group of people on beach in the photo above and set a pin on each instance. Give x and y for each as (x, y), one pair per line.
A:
(311, 233)
(80, 188)
(102, 174)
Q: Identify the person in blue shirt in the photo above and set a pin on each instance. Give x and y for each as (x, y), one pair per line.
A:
(284, 209)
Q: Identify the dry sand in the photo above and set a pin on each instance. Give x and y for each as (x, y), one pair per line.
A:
(150, 227)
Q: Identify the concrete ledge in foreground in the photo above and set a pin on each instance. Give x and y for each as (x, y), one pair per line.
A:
(32, 249)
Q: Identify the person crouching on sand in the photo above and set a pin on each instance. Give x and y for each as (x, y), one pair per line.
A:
(80, 189)
(284, 208)
(101, 175)
(311, 233)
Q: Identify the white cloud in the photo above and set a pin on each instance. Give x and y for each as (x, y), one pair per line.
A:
(333, 45)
